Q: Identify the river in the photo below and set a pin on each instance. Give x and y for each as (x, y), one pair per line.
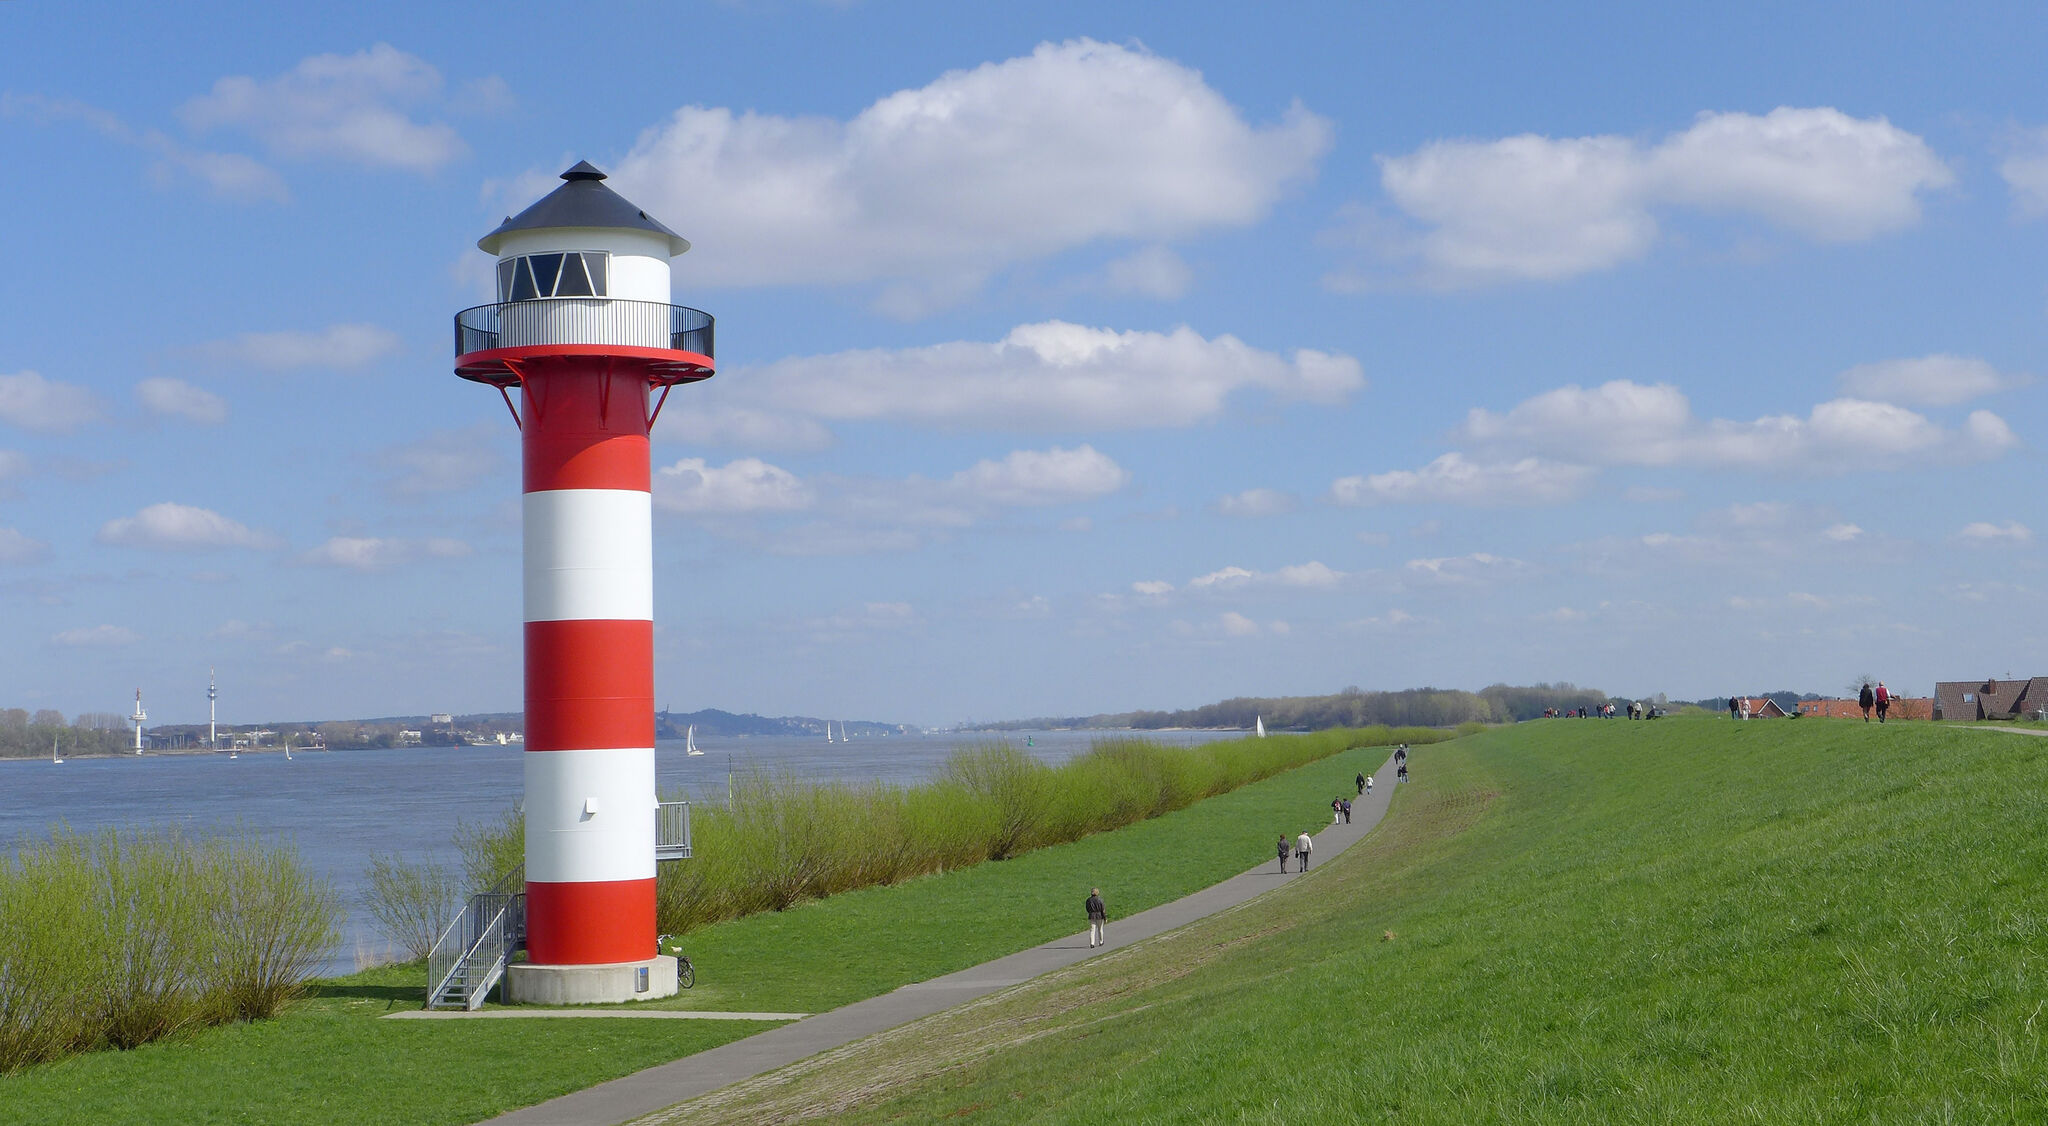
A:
(339, 807)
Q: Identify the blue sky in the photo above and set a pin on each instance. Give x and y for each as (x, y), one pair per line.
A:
(1072, 357)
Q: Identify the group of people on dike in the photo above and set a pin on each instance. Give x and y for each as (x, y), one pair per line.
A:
(1879, 698)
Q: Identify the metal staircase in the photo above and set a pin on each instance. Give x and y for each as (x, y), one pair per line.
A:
(472, 953)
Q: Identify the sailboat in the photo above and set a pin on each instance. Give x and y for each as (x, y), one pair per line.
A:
(287, 750)
(1261, 721)
(843, 736)
(690, 741)
(53, 750)
(828, 731)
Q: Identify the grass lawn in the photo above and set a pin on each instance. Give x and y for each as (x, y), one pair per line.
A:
(1687, 920)
(328, 1060)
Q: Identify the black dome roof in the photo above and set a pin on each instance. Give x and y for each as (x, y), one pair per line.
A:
(583, 201)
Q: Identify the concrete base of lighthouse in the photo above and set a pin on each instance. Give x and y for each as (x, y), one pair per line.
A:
(529, 984)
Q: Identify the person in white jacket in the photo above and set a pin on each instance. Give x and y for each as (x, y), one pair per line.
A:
(1302, 845)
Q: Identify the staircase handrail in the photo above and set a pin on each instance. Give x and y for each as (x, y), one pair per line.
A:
(495, 919)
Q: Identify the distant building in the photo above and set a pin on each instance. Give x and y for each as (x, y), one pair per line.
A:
(408, 738)
(1990, 699)
(441, 718)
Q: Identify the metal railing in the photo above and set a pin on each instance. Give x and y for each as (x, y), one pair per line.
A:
(672, 830)
(471, 954)
(583, 320)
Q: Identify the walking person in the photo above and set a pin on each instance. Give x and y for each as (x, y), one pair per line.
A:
(1732, 705)
(1865, 699)
(1098, 917)
(1884, 701)
(1361, 783)
(1336, 810)
(1368, 784)
(1347, 811)
(1282, 849)
(1302, 845)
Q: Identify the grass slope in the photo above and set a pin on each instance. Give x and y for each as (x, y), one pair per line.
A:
(1690, 921)
(329, 1060)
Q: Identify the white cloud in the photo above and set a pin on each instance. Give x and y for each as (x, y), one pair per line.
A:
(1938, 380)
(1256, 502)
(1841, 533)
(1155, 271)
(2012, 531)
(18, 547)
(1152, 588)
(1053, 375)
(2026, 173)
(1531, 207)
(1226, 577)
(336, 107)
(1309, 574)
(744, 485)
(1462, 569)
(181, 527)
(175, 398)
(1627, 423)
(96, 637)
(1009, 162)
(1039, 477)
(231, 175)
(336, 346)
(367, 553)
(1454, 479)
(30, 401)
(446, 461)
(1237, 625)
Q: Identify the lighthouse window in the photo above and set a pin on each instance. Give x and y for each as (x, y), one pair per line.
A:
(573, 274)
(574, 282)
(546, 267)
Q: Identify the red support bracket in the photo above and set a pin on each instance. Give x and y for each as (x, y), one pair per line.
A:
(665, 389)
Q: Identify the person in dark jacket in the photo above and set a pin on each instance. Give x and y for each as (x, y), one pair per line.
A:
(1361, 784)
(1732, 706)
(1098, 917)
(1864, 700)
(1282, 850)
(1347, 811)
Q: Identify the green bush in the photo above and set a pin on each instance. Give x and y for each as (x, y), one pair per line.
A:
(786, 839)
(112, 940)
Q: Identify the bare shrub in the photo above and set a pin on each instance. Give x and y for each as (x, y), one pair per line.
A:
(412, 901)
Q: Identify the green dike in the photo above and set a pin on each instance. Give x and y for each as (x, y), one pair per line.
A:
(1680, 921)
(329, 1060)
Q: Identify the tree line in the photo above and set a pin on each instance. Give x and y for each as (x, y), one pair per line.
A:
(1353, 707)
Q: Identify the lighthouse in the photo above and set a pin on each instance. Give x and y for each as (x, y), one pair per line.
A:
(584, 346)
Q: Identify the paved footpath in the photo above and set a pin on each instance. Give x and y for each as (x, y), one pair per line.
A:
(664, 1085)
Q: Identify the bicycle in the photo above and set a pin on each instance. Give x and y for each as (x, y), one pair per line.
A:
(686, 974)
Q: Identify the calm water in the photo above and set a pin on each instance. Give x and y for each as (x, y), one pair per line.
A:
(342, 806)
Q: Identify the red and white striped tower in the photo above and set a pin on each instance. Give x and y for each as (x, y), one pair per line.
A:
(584, 329)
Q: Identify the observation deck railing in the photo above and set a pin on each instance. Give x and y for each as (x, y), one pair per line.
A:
(609, 321)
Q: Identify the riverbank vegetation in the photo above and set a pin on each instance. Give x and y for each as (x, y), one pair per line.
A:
(786, 839)
(1688, 921)
(115, 940)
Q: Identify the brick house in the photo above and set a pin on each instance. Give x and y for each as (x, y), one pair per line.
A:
(1990, 699)
(1903, 707)
(1761, 707)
